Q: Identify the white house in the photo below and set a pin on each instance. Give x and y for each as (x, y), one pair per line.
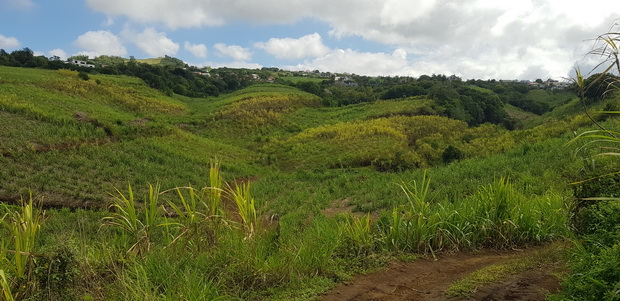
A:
(81, 64)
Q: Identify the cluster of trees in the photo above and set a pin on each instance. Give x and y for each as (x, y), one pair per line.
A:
(454, 97)
(169, 79)
(26, 58)
(170, 75)
(600, 85)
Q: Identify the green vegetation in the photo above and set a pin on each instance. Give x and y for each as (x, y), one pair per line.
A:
(595, 263)
(197, 195)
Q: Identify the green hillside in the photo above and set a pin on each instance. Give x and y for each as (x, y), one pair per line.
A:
(419, 174)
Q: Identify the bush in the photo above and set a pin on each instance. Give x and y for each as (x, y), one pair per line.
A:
(596, 278)
(451, 154)
(83, 75)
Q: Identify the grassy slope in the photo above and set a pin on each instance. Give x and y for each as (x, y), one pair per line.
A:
(134, 134)
(124, 132)
(76, 144)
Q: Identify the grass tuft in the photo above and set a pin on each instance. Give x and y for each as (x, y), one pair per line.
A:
(7, 295)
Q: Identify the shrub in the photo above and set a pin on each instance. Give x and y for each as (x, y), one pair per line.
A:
(83, 75)
(451, 153)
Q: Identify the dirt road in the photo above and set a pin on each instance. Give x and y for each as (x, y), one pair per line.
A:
(428, 279)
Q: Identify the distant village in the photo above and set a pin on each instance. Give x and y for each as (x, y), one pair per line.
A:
(347, 79)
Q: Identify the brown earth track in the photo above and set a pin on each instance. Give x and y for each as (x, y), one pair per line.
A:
(532, 285)
(428, 279)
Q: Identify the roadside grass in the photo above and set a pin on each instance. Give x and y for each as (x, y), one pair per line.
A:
(496, 216)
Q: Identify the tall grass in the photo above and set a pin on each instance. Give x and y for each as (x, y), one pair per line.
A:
(246, 207)
(17, 265)
(138, 224)
(196, 226)
(417, 193)
(25, 226)
(357, 232)
(200, 213)
(214, 190)
(7, 295)
(497, 216)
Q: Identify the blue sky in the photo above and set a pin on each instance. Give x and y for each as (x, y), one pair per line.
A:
(518, 39)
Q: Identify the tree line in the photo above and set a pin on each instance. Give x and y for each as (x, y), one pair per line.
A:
(473, 101)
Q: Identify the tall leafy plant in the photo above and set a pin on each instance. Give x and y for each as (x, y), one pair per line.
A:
(134, 221)
(25, 225)
(246, 207)
(214, 190)
(7, 295)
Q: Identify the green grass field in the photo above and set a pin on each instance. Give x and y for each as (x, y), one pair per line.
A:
(428, 184)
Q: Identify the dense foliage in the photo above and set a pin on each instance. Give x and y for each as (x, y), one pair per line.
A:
(595, 264)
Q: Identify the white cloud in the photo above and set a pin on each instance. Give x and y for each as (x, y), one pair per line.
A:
(367, 63)
(175, 14)
(198, 50)
(152, 42)
(59, 53)
(8, 42)
(235, 52)
(235, 64)
(21, 4)
(108, 22)
(474, 38)
(96, 43)
(288, 48)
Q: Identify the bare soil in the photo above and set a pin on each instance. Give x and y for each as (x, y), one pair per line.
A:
(531, 285)
(338, 207)
(429, 279)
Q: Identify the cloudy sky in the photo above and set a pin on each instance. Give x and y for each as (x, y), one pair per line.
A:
(501, 39)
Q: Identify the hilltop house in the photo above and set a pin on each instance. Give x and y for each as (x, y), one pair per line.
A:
(81, 64)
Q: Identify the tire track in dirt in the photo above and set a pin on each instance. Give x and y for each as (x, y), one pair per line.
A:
(532, 285)
(428, 279)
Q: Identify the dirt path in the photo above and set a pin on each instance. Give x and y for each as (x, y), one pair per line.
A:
(428, 279)
(531, 285)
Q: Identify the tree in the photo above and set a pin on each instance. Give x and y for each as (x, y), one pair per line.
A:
(172, 62)
(310, 87)
(599, 85)
(403, 91)
(23, 58)
(451, 153)
(443, 92)
(79, 57)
